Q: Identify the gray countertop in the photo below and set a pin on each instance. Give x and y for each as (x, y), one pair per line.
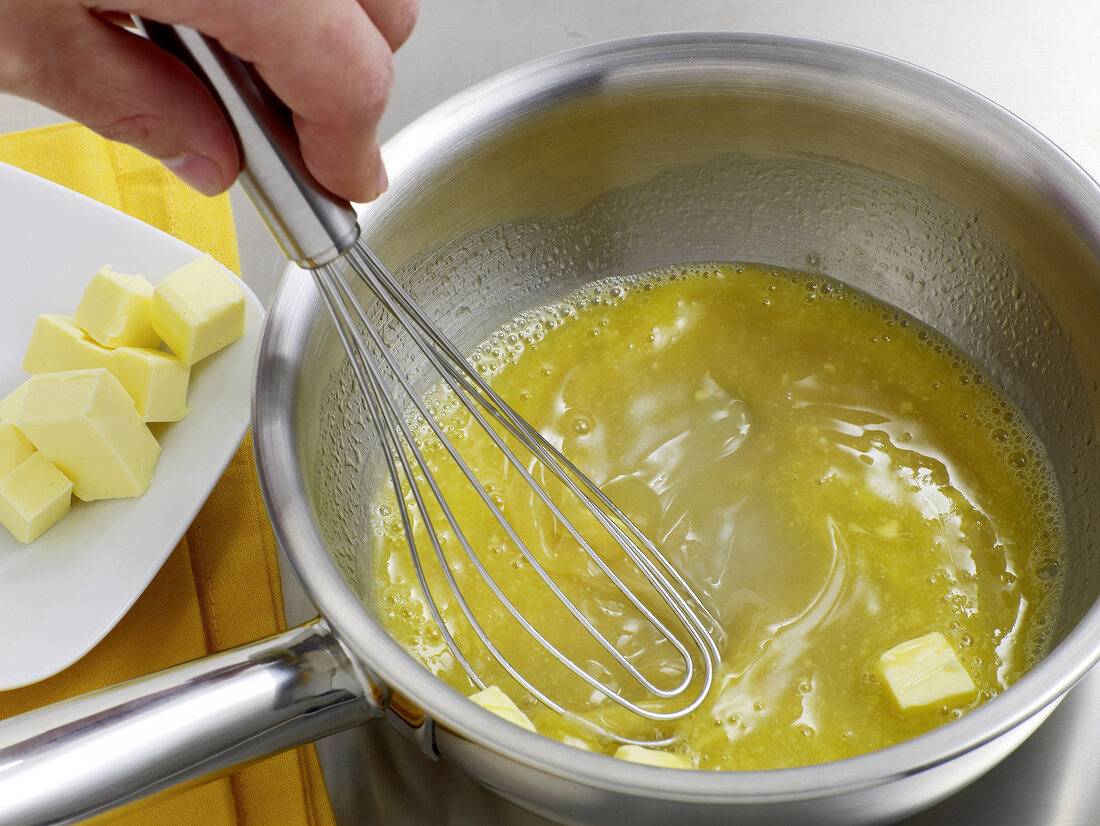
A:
(1039, 60)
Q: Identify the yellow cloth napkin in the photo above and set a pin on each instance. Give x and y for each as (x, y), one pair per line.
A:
(220, 587)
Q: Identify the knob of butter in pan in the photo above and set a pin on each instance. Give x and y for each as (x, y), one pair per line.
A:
(924, 671)
(494, 700)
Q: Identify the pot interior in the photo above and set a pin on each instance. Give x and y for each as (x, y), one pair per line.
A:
(890, 180)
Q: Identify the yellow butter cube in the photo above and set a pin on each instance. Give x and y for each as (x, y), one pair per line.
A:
(575, 742)
(494, 700)
(198, 309)
(651, 757)
(33, 496)
(156, 381)
(85, 422)
(115, 310)
(58, 344)
(923, 671)
(14, 447)
(12, 403)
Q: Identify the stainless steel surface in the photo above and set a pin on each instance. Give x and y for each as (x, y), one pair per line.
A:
(310, 225)
(78, 759)
(1037, 59)
(640, 154)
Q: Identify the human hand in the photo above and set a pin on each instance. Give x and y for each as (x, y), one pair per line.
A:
(329, 61)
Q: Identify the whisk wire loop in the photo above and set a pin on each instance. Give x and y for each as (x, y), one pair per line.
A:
(523, 548)
(388, 423)
(368, 378)
(699, 654)
(561, 519)
(482, 393)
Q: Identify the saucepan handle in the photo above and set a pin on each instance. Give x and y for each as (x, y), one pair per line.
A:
(77, 759)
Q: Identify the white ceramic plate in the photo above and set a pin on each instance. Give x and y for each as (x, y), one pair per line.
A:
(62, 593)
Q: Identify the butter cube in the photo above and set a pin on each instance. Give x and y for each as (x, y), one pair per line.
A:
(156, 381)
(85, 422)
(58, 344)
(924, 671)
(14, 447)
(12, 403)
(494, 700)
(33, 496)
(651, 757)
(198, 309)
(115, 310)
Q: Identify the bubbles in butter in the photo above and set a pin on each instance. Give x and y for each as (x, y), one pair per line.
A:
(834, 477)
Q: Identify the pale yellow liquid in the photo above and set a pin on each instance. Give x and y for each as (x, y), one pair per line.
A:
(830, 475)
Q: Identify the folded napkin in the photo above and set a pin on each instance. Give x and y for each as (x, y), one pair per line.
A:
(220, 587)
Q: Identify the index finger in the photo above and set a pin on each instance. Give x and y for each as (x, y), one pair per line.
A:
(327, 62)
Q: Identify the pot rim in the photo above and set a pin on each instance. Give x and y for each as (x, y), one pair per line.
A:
(409, 157)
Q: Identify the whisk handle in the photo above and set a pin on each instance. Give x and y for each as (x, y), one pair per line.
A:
(311, 225)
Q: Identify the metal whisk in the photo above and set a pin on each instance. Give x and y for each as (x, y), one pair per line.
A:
(382, 381)
(320, 232)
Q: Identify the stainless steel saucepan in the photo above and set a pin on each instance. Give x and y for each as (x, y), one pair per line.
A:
(611, 159)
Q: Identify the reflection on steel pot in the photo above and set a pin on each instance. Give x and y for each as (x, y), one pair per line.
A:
(613, 159)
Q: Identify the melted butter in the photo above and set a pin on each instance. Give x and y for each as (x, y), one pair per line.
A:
(832, 476)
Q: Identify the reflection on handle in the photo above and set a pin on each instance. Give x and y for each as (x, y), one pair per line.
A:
(80, 758)
(311, 225)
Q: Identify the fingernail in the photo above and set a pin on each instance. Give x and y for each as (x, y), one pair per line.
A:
(197, 171)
